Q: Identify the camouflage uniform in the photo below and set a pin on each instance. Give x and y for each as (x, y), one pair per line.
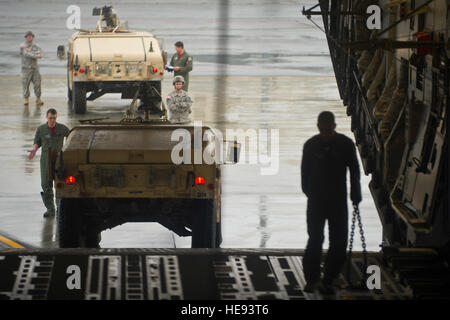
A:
(185, 63)
(179, 105)
(30, 69)
(47, 139)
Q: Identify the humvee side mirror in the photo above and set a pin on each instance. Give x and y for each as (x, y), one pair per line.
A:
(96, 11)
(233, 152)
(61, 52)
(164, 55)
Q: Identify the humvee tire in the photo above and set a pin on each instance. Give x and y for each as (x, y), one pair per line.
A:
(69, 92)
(79, 98)
(92, 239)
(218, 234)
(204, 226)
(152, 102)
(69, 224)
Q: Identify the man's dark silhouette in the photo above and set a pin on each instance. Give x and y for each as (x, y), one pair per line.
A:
(326, 157)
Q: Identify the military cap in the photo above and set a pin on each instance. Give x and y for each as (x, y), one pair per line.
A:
(29, 33)
(178, 79)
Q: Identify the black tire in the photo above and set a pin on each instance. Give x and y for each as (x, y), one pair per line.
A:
(69, 92)
(155, 108)
(150, 100)
(79, 97)
(69, 224)
(204, 226)
(93, 239)
(218, 234)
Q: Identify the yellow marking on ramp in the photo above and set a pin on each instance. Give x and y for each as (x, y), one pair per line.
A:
(10, 242)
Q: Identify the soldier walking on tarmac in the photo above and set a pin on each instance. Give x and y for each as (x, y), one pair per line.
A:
(178, 102)
(182, 63)
(49, 136)
(30, 53)
(325, 160)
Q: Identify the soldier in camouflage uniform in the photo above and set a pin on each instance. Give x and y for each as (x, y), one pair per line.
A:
(182, 64)
(178, 102)
(49, 136)
(30, 53)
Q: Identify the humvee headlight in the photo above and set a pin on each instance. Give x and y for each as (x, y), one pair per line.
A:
(132, 68)
(101, 68)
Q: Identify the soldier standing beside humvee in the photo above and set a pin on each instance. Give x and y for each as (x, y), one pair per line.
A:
(182, 63)
(178, 102)
(30, 53)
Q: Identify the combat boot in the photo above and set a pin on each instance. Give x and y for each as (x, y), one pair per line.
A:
(39, 102)
(26, 101)
(49, 213)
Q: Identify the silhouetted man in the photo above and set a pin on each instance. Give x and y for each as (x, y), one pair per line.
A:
(326, 157)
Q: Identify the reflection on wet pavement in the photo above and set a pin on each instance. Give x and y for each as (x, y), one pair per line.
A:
(257, 210)
(262, 227)
(48, 233)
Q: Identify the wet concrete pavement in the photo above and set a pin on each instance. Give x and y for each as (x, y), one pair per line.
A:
(239, 37)
(257, 210)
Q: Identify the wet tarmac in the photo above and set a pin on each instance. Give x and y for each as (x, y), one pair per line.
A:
(240, 37)
(257, 210)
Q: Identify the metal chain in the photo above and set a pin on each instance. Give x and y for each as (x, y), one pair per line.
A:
(350, 246)
(363, 243)
(356, 215)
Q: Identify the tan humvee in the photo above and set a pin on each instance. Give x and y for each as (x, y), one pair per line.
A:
(111, 173)
(113, 59)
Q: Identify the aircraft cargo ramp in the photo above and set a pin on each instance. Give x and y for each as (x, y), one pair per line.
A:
(190, 274)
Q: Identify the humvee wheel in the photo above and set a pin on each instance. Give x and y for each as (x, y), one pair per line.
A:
(204, 227)
(69, 224)
(79, 97)
(218, 234)
(93, 240)
(69, 92)
(155, 107)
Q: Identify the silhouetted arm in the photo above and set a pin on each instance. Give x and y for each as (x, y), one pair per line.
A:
(306, 168)
(355, 185)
